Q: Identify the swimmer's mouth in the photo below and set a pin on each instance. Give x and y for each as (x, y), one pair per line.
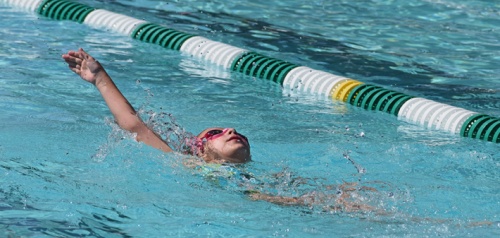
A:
(239, 138)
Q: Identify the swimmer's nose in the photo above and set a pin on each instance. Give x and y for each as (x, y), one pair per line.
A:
(231, 131)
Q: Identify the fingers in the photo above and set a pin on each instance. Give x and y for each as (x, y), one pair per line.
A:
(75, 54)
(76, 57)
(75, 69)
(80, 54)
(72, 61)
(71, 56)
(84, 55)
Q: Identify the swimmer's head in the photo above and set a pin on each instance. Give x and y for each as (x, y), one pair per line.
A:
(223, 145)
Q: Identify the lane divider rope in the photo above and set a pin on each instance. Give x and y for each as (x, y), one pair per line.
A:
(419, 111)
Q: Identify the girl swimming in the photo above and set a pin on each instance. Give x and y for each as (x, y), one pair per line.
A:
(213, 145)
(220, 146)
(216, 145)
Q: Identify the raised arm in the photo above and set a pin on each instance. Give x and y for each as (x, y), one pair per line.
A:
(92, 71)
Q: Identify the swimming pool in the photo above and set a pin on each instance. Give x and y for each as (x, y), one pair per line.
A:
(68, 171)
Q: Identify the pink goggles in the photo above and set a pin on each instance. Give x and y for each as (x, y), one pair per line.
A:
(216, 133)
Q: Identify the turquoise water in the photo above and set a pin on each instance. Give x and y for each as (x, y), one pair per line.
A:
(66, 170)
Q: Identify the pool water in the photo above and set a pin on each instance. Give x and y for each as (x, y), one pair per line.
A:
(67, 171)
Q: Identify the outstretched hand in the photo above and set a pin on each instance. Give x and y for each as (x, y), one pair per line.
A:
(84, 65)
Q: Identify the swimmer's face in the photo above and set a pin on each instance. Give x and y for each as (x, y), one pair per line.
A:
(224, 145)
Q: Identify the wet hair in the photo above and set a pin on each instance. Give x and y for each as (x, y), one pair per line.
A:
(192, 146)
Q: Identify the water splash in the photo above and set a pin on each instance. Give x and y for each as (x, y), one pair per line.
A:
(162, 123)
(358, 167)
(114, 138)
(165, 125)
